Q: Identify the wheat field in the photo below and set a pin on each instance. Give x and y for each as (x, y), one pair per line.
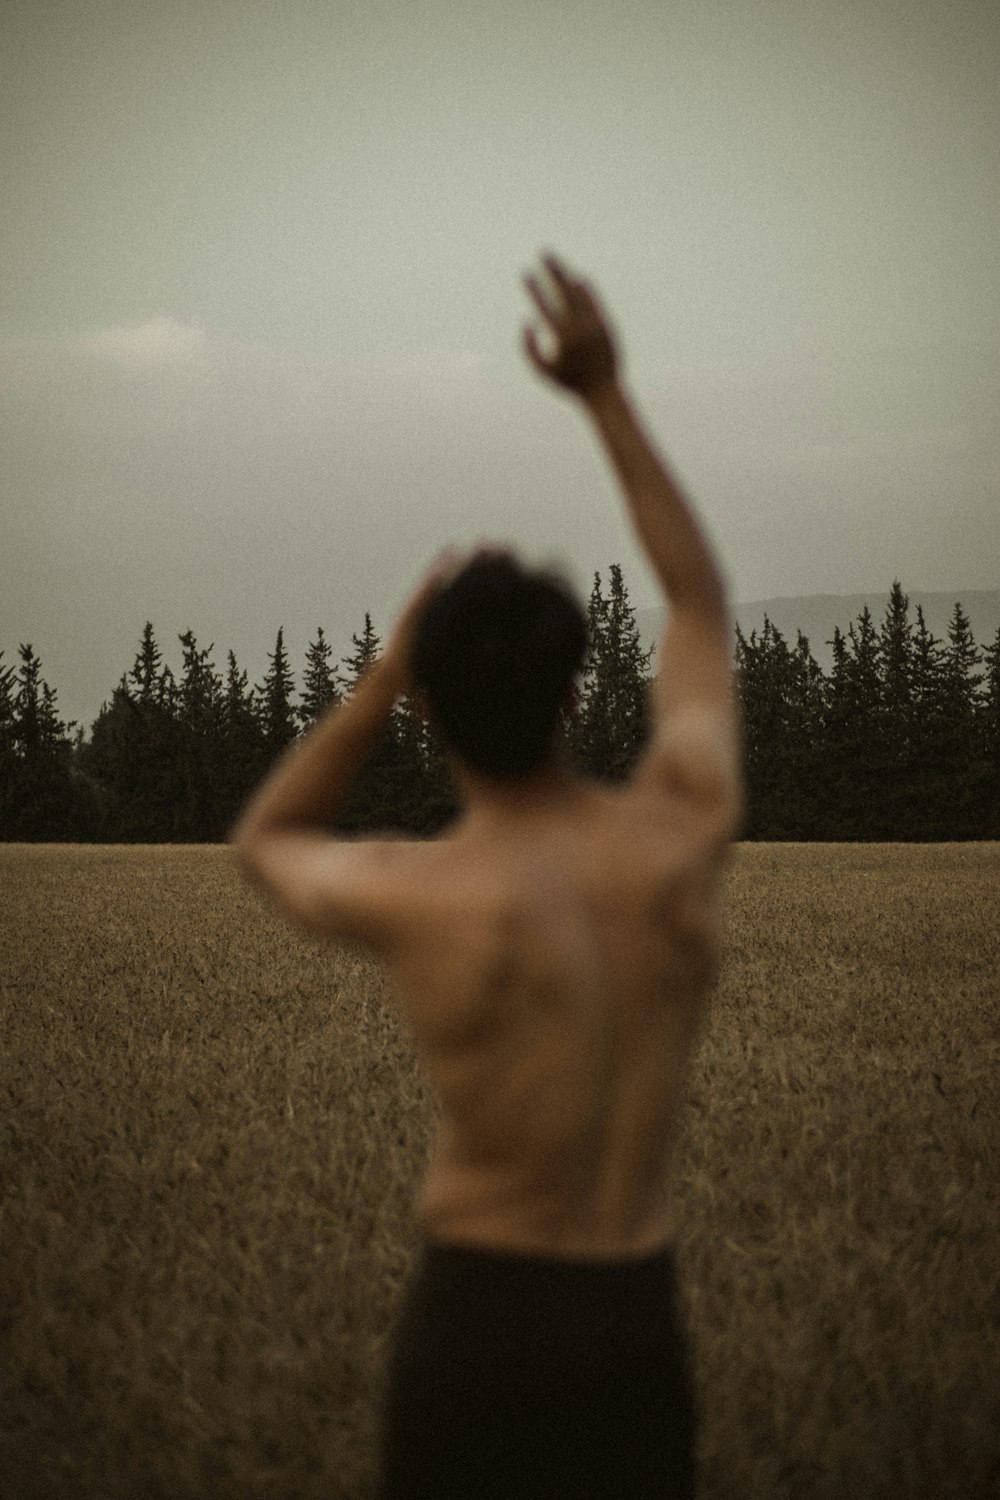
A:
(212, 1129)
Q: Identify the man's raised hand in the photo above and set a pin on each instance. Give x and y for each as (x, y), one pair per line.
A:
(583, 358)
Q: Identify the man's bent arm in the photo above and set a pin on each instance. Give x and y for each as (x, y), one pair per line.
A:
(330, 886)
(310, 781)
(362, 891)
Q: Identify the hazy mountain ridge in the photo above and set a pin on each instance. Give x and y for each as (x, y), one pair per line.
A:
(817, 614)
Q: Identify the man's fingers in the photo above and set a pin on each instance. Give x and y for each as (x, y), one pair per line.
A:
(563, 280)
(541, 300)
(574, 292)
(534, 353)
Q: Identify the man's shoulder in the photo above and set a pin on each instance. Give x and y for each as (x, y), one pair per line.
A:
(692, 767)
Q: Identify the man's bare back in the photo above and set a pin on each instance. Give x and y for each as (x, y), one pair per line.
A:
(554, 953)
(554, 993)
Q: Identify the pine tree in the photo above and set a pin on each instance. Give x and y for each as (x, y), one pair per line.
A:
(366, 649)
(895, 658)
(839, 740)
(197, 805)
(320, 687)
(132, 751)
(930, 732)
(242, 743)
(865, 686)
(961, 812)
(765, 673)
(927, 670)
(375, 801)
(151, 682)
(961, 658)
(277, 714)
(9, 762)
(896, 736)
(988, 738)
(43, 802)
(37, 727)
(628, 679)
(802, 749)
(589, 731)
(610, 725)
(851, 778)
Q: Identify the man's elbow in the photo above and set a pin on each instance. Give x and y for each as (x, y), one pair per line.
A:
(245, 841)
(736, 814)
(238, 834)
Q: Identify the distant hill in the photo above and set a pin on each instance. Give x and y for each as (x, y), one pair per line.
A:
(817, 614)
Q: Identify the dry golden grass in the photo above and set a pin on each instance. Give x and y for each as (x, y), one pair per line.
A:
(211, 1130)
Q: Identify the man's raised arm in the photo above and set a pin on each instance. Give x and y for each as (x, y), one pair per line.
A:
(693, 667)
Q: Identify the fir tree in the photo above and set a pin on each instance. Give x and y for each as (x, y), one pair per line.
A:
(864, 661)
(779, 701)
(151, 682)
(958, 762)
(132, 751)
(927, 670)
(43, 803)
(611, 719)
(839, 745)
(933, 737)
(589, 730)
(242, 743)
(988, 738)
(851, 779)
(277, 714)
(865, 699)
(366, 649)
(197, 814)
(894, 741)
(895, 658)
(382, 795)
(627, 667)
(320, 687)
(37, 726)
(9, 763)
(802, 751)
(961, 658)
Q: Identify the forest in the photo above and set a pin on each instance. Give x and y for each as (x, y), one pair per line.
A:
(899, 741)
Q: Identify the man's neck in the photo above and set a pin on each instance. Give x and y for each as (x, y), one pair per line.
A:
(492, 800)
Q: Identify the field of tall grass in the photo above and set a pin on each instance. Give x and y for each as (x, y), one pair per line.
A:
(211, 1130)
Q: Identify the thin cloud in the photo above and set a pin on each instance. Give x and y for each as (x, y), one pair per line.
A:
(157, 341)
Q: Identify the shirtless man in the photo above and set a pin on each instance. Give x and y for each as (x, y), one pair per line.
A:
(552, 955)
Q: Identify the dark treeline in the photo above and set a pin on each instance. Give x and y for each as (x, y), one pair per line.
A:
(899, 741)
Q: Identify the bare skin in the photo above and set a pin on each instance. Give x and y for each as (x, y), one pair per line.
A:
(554, 953)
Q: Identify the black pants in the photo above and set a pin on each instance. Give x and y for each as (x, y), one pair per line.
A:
(516, 1378)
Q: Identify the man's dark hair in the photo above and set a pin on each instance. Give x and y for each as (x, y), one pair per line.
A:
(495, 656)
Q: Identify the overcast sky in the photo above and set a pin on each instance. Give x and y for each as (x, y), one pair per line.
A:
(261, 301)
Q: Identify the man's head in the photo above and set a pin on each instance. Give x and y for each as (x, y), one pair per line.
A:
(495, 656)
